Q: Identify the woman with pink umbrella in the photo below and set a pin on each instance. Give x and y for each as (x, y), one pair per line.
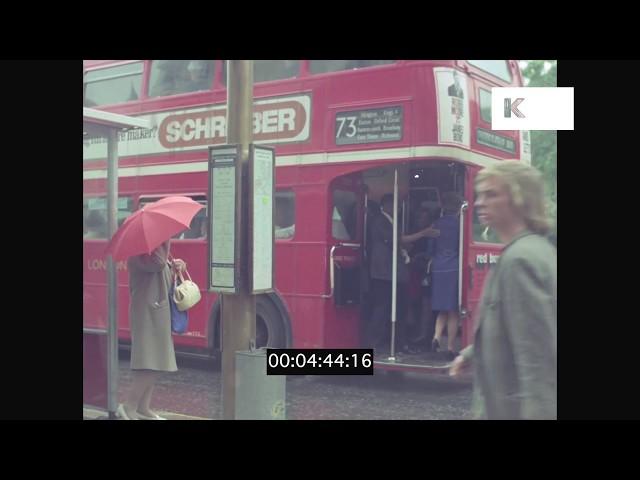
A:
(144, 238)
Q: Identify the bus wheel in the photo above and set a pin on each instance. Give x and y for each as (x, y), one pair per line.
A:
(270, 329)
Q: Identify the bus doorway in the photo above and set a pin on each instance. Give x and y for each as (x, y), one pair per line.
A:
(419, 188)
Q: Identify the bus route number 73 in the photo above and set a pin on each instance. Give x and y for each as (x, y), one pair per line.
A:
(350, 130)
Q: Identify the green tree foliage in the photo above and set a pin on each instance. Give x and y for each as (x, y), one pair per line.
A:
(544, 144)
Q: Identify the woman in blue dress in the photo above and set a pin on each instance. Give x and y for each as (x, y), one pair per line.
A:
(444, 271)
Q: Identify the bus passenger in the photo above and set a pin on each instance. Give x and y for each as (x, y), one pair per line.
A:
(204, 224)
(198, 77)
(96, 225)
(419, 285)
(445, 271)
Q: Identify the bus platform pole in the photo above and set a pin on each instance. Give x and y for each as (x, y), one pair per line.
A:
(238, 311)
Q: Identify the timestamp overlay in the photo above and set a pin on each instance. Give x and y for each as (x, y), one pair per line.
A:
(315, 361)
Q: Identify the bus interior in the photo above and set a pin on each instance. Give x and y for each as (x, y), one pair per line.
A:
(420, 187)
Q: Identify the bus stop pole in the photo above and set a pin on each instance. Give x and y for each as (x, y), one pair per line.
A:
(238, 310)
(112, 224)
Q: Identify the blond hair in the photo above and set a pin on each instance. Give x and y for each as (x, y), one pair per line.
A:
(526, 189)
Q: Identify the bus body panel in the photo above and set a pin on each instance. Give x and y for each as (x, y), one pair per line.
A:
(169, 160)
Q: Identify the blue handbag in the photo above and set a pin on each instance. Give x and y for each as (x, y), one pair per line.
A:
(179, 320)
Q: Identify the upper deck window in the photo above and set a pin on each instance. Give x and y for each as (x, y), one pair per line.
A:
(497, 68)
(170, 77)
(485, 105)
(112, 85)
(325, 66)
(267, 70)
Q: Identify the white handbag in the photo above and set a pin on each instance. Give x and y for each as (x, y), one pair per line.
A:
(186, 294)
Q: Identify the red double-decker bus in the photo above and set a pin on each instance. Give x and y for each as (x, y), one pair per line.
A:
(341, 130)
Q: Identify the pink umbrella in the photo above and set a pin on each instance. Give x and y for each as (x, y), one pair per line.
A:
(146, 229)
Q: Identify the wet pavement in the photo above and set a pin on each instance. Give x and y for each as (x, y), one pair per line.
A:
(195, 391)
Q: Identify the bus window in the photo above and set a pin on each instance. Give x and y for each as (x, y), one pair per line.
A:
(94, 213)
(170, 77)
(482, 233)
(113, 85)
(199, 224)
(285, 226)
(267, 70)
(497, 68)
(326, 66)
(485, 105)
(344, 219)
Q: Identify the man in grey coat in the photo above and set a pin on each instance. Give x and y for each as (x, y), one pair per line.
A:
(514, 353)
